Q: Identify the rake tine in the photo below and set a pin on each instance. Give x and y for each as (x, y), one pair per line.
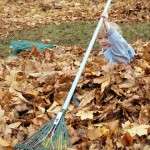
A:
(45, 136)
(53, 128)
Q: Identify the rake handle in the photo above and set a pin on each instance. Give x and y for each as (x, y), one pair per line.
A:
(75, 82)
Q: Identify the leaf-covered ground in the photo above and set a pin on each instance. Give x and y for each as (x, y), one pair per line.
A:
(18, 15)
(110, 107)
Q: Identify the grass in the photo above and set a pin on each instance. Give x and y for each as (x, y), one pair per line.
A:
(74, 33)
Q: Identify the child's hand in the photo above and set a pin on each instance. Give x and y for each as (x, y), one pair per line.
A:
(106, 23)
(105, 16)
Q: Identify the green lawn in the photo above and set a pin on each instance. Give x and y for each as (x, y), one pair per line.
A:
(74, 33)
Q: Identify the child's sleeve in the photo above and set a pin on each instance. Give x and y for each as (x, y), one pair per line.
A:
(120, 49)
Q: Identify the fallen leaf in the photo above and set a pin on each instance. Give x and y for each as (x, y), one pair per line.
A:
(134, 128)
(87, 99)
(73, 134)
(14, 125)
(3, 142)
(126, 139)
(85, 114)
(104, 85)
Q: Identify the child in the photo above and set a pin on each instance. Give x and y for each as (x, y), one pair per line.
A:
(114, 47)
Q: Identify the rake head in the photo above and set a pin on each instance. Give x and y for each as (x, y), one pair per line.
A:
(50, 137)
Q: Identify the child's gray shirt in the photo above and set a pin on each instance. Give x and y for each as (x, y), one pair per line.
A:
(119, 50)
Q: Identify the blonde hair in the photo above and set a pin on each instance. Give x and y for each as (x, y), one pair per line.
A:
(114, 26)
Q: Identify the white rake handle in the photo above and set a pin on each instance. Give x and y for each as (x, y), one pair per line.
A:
(75, 82)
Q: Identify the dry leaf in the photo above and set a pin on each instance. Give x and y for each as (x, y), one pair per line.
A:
(85, 114)
(73, 135)
(134, 128)
(126, 139)
(87, 99)
(3, 142)
(14, 125)
(104, 85)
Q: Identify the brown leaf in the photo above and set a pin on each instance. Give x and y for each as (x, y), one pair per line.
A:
(21, 107)
(21, 135)
(3, 142)
(73, 134)
(2, 93)
(100, 80)
(85, 114)
(87, 99)
(126, 139)
(126, 85)
(34, 51)
(94, 133)
(104, 85)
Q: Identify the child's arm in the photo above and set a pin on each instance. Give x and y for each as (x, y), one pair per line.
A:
(105, 21)
(121, 50)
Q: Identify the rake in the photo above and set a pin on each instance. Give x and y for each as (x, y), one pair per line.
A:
(54, 135)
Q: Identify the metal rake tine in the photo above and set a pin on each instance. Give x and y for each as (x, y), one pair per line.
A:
(45, 136)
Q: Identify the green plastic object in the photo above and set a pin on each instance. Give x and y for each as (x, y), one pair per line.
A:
(46, 139)
(19, 46)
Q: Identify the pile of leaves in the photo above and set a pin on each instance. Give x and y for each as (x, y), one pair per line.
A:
(110, 107)
(19, 15)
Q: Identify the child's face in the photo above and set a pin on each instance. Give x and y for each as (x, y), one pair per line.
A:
(103, 41)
